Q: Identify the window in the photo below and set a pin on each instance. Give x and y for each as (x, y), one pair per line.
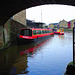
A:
(65, 25)
(39, 31)
(34, 32)
(50, 31)
(26, 32)
(61, 22)
(22, 32)
(65, 22)
(43, 31)
(47, 31)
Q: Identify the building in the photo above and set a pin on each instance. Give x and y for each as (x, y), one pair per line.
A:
(20, 17)
(30, 24)
(51, 25)
(69, 24)
(55, 25)
(39, 25)
(72, 22)
(46, 27)
(63, 24)
(33, 24)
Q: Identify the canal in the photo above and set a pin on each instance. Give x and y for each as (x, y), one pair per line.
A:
(48, 56)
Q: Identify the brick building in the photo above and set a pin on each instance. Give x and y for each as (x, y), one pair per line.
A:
(63, 24)
(51, 25)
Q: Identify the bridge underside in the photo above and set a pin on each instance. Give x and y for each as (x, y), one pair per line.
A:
(10, 7)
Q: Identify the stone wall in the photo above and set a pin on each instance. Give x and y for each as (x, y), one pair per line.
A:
(15, 29)
(20, 17)
(6, 32)
(1, 36)
(11, 30)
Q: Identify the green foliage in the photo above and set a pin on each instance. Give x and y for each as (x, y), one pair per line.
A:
(71, 63)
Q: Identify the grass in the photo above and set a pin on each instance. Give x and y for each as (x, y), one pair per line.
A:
(71, 63)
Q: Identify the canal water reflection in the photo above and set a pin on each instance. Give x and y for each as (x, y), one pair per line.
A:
(45, 57)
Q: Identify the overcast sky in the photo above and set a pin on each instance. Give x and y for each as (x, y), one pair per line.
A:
(51, 13)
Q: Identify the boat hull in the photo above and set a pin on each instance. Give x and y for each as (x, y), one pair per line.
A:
(56, 32)
(25, 41)
(59, 33)
(30, 35)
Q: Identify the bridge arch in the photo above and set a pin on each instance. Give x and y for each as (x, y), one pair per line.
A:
(10, 7)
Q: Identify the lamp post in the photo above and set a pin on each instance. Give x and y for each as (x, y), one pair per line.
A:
(73, 45)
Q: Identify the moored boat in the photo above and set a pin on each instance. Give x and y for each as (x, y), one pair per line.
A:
(59, 31)
(34, 33)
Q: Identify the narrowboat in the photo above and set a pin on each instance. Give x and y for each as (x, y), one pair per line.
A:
(34, 33)
(59, 31)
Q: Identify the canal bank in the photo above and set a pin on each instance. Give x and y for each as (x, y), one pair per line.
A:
(70, 70)
(9, 32)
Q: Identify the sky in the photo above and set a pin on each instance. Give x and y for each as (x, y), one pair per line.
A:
(51, 13)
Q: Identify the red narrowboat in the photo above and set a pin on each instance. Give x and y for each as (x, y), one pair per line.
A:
(34, 33)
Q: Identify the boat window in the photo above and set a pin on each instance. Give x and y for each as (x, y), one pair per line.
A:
(22, 32)
(50, 31)
(34, 32)
(47, 31)
(26, 32)
(62, 30)
(39, 31)
(43, 31)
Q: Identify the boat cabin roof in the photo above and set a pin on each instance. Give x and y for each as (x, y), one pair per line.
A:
(35, 29)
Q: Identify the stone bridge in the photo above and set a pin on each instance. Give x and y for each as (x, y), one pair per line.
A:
(10, 7)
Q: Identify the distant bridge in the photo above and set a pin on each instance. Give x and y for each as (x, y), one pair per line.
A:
(10, 7)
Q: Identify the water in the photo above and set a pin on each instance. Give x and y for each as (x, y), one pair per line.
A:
(45, 57)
